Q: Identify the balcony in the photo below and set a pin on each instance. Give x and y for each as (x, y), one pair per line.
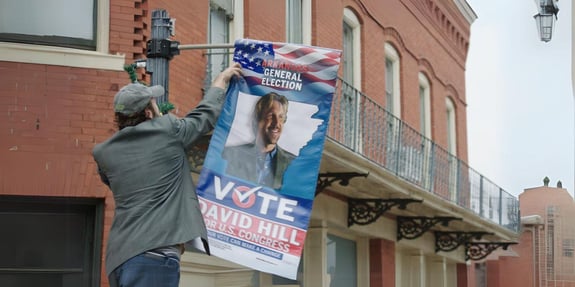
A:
(364, 137)
(363, 127)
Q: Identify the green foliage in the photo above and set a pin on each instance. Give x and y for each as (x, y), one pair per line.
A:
(131, 70)
(165, 107)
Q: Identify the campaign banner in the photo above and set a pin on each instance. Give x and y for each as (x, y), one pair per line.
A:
(258, 182)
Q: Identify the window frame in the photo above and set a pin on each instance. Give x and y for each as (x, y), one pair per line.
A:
(451, 118)
(351, 20)
(294, 21)
(93, 211)
(71, 57)
(357, 254)
(234, 30)
(58, 40)
(425, 105)
(392, 55)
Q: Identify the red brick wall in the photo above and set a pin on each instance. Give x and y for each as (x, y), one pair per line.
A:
(265, 20)
(421, 47)
(187, 70)
(494, 274)
(53, 115)
(517, 271)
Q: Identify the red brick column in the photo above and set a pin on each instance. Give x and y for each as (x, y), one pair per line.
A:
(493, 273)
(381, 263)
(462, 275)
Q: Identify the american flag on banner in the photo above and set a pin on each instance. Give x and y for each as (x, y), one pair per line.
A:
(321, 64)
(263, 224)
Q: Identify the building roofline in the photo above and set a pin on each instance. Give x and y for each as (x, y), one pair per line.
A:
(466, 10)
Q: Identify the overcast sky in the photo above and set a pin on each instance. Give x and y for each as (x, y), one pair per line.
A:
(519, 95)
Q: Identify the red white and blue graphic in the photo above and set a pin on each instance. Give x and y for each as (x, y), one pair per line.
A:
(263, 225)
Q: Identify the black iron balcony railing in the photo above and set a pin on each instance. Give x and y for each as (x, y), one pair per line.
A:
(365, 127)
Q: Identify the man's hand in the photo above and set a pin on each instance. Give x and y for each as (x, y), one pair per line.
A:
(224, 77)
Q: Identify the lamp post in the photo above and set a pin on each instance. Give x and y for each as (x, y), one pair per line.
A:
(546, 17)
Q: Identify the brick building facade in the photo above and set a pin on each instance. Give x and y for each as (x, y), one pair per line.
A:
(56, 98)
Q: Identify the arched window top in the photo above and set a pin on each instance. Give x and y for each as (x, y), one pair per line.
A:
(391, 52)
(423, 80)
(351, 58)
(350, 18)
(392, 80)
(424, 105)
(449, 104)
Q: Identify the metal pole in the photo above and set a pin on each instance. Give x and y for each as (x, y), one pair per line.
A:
(205, 46)
(160, 50)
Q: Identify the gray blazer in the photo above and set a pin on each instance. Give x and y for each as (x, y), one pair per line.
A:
(146, 167)
(242, 163)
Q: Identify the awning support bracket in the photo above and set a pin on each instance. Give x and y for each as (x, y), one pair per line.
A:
(412, 227)
(363, 211)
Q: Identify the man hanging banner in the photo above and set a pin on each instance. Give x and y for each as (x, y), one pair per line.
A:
(259, 177)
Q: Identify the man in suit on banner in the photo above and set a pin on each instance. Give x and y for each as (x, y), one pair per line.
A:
(263, 161)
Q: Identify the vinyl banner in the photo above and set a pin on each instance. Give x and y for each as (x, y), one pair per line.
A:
(258, 182)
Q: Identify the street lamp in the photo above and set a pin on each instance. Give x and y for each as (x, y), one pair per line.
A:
(546, 17)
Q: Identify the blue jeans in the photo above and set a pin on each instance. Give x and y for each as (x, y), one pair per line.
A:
(148, 270)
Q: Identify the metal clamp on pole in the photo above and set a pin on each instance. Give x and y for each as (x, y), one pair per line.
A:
(162, 48)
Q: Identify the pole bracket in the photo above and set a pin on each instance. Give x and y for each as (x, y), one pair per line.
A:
(162, 48)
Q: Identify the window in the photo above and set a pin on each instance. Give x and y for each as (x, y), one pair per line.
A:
(424, 129)
(52, 241)
(220, 19)
(451, 128)
(298, 21)
(481, 274)
(281, 281)
(351, 57)
(568, 247)
(452, 149)
(424, 106)
(294, 31)
(49, 23)
(351, 78)
(50, 34)
(341, 261)
(392, 106)
(392, 81)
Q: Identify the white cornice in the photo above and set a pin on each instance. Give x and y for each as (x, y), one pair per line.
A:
(466, 10)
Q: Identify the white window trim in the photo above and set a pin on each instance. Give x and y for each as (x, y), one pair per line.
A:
(289, 22)
(51, 55)
(351, 19)
(237, 24)
(391, 54)
(451, 121)
(424, 83)
(306, 22)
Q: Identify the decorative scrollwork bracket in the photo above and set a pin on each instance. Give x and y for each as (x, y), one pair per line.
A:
(364, 211)
(326, 179)
(412, 227)
(480, 250)
(450, 240)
